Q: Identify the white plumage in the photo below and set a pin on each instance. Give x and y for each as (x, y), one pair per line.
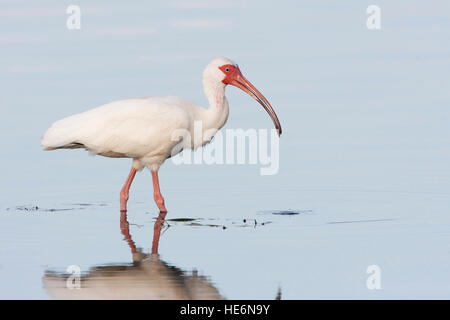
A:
(133, 128)
(148, 129)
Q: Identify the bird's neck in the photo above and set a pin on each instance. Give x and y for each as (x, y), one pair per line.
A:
(217, 113)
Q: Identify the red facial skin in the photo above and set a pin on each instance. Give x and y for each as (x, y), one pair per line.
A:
(231, 74)
(234, 77)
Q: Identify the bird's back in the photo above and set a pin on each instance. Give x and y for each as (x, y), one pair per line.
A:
(127, 128)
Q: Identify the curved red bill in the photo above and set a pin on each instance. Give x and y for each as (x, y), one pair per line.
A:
(238, 80)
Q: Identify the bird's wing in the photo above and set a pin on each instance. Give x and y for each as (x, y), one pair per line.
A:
(129, 128)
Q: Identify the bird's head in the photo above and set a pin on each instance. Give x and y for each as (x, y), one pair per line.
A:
(225, 71)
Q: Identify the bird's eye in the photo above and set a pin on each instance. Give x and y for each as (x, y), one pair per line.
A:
(227, 69)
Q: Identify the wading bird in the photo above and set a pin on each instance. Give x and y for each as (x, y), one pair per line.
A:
(148, 129)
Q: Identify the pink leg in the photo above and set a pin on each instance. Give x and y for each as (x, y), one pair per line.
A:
(124, 193)
(157, 193)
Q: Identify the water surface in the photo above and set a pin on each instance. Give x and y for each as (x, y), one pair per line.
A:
(364, 173)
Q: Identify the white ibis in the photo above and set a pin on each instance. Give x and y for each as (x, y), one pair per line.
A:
(142, 128)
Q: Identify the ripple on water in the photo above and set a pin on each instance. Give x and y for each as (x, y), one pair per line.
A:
(287, 212)
(35, 208)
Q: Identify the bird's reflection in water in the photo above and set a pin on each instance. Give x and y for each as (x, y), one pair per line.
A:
(148, 277)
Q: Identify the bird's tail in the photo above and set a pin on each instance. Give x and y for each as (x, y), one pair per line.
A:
(61, 135)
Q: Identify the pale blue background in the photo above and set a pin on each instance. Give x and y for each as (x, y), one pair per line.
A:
(366, 136)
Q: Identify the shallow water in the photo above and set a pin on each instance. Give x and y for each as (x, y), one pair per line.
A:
(364, 173)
